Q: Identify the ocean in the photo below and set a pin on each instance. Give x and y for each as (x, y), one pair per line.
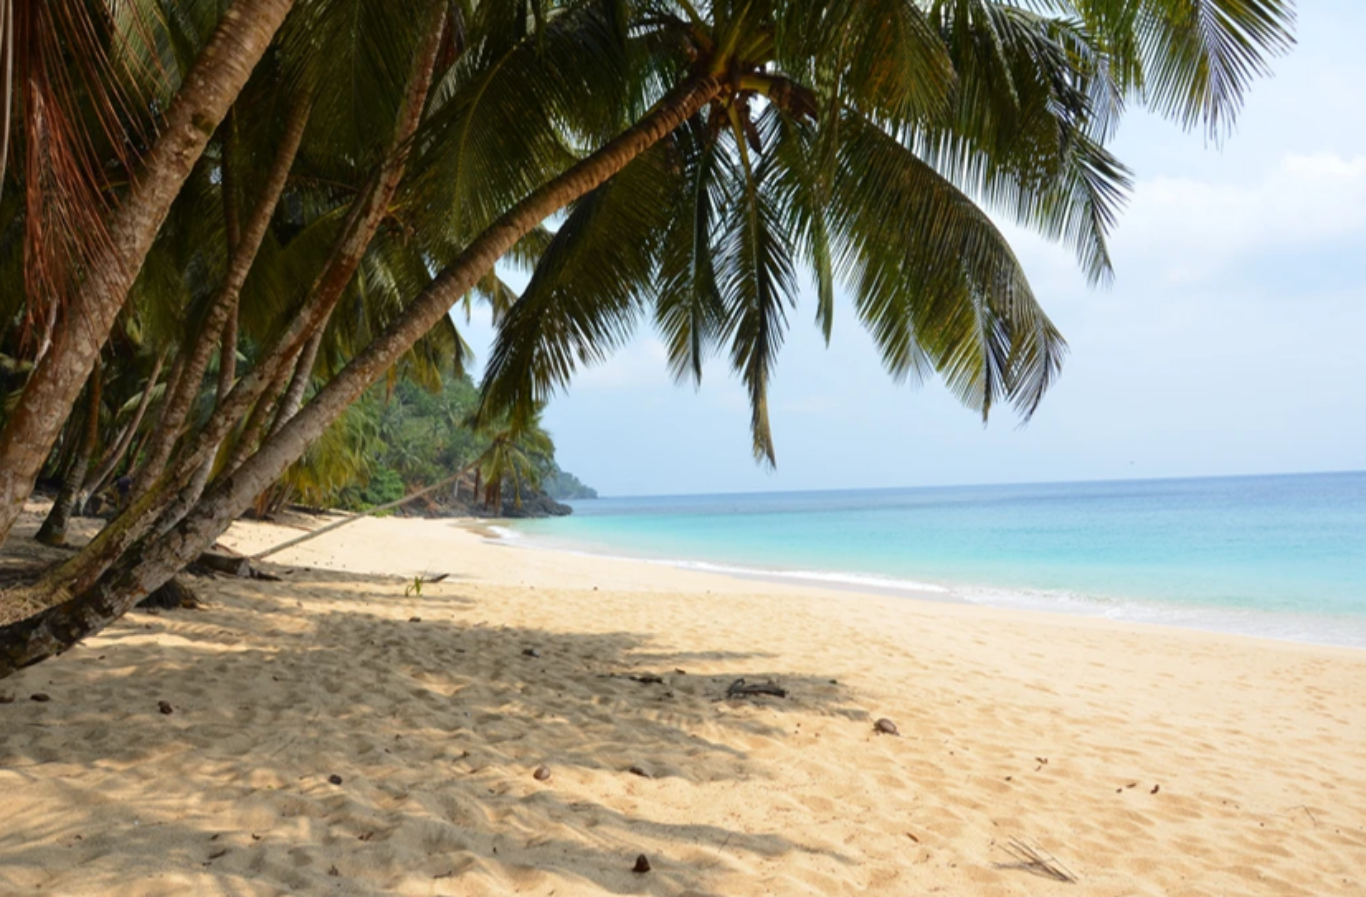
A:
(1274, 556)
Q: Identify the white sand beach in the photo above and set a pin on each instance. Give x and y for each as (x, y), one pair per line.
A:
(1147, 760)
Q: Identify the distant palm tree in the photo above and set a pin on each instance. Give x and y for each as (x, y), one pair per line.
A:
(516, 454)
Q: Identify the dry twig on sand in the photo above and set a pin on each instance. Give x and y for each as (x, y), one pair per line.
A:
(1037, 860)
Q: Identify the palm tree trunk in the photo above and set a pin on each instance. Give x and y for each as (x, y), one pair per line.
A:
(53, 529)
(148, 564)
(100, 476)
(218, 75)
(222, 312)
(293, 399)
(300, 341)
(227, 346)
(227, 372)
(252, 392)
(245, 444)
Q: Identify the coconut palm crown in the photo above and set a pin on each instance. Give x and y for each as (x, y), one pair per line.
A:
(859, 144)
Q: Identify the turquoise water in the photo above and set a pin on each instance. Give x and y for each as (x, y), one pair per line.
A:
(1277, 556)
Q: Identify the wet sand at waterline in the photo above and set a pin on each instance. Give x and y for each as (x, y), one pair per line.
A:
(333, 733)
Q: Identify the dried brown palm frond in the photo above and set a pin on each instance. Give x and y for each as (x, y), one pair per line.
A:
(74, 106)
(1034, 858)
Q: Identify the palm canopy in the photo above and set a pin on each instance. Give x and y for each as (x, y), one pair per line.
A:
(860, 144)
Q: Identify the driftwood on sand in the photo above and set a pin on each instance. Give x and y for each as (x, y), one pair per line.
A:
(228, 564)
(378, 509)
(742, 689)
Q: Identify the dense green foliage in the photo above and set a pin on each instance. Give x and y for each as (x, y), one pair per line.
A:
(398, 439)
(562, 485)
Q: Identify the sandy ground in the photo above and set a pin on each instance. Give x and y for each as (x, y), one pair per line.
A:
(1147, 760)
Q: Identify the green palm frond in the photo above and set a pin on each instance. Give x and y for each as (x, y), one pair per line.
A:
(527, 252)
(588, 291)
(1191, 60)
(1035, 101)
(804, 190)
(934, 280)
(689, 312)
(757, 276)
(353, 57)
(496, 294)
(883, 56)
(282, 274)
(507, 115)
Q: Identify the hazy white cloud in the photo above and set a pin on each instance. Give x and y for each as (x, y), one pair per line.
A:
(1182, 229)
(642, 364)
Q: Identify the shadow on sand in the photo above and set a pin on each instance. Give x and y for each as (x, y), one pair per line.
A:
(433, 726)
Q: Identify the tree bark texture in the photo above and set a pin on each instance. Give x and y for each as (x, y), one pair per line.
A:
(218, 75)
(53, 529)
(100, 476)
(293, 398)
(222, 312)
(363, 220)
(252, 391)
(362, 223)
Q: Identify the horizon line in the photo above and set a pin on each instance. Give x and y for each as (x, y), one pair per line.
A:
(1138, 479)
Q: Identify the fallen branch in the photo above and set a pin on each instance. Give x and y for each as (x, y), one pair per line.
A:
(741, 689)
(642, 678)
(426, 490)
(235, 565)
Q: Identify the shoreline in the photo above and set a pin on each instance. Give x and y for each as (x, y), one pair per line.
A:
(502, 533)
(1132, 611)
(1149, 760)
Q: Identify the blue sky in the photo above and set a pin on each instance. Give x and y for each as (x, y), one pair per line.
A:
(1230, 343)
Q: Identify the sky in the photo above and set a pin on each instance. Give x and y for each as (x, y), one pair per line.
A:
(1233, 340)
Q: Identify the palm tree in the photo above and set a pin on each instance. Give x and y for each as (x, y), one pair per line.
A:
(516, 454)
(325, 247)
(123, 240)
(852, 137)
(864, 153)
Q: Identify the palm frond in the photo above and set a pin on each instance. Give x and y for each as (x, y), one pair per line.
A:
(934, 280)
(1192, 60)
(506, 116)
(587, 293)
(757, 278)
(1028, 124)
(689, 312)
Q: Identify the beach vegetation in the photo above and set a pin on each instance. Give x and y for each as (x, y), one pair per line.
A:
(224, 225)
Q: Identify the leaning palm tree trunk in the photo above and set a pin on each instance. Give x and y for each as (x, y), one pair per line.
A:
(100, 475)
(53, 529)
(148, 564)
(370, 512)
(227, 345)
(293, 399)
(218, 75)
(301, 341)
(255, 391)
(222, 311)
